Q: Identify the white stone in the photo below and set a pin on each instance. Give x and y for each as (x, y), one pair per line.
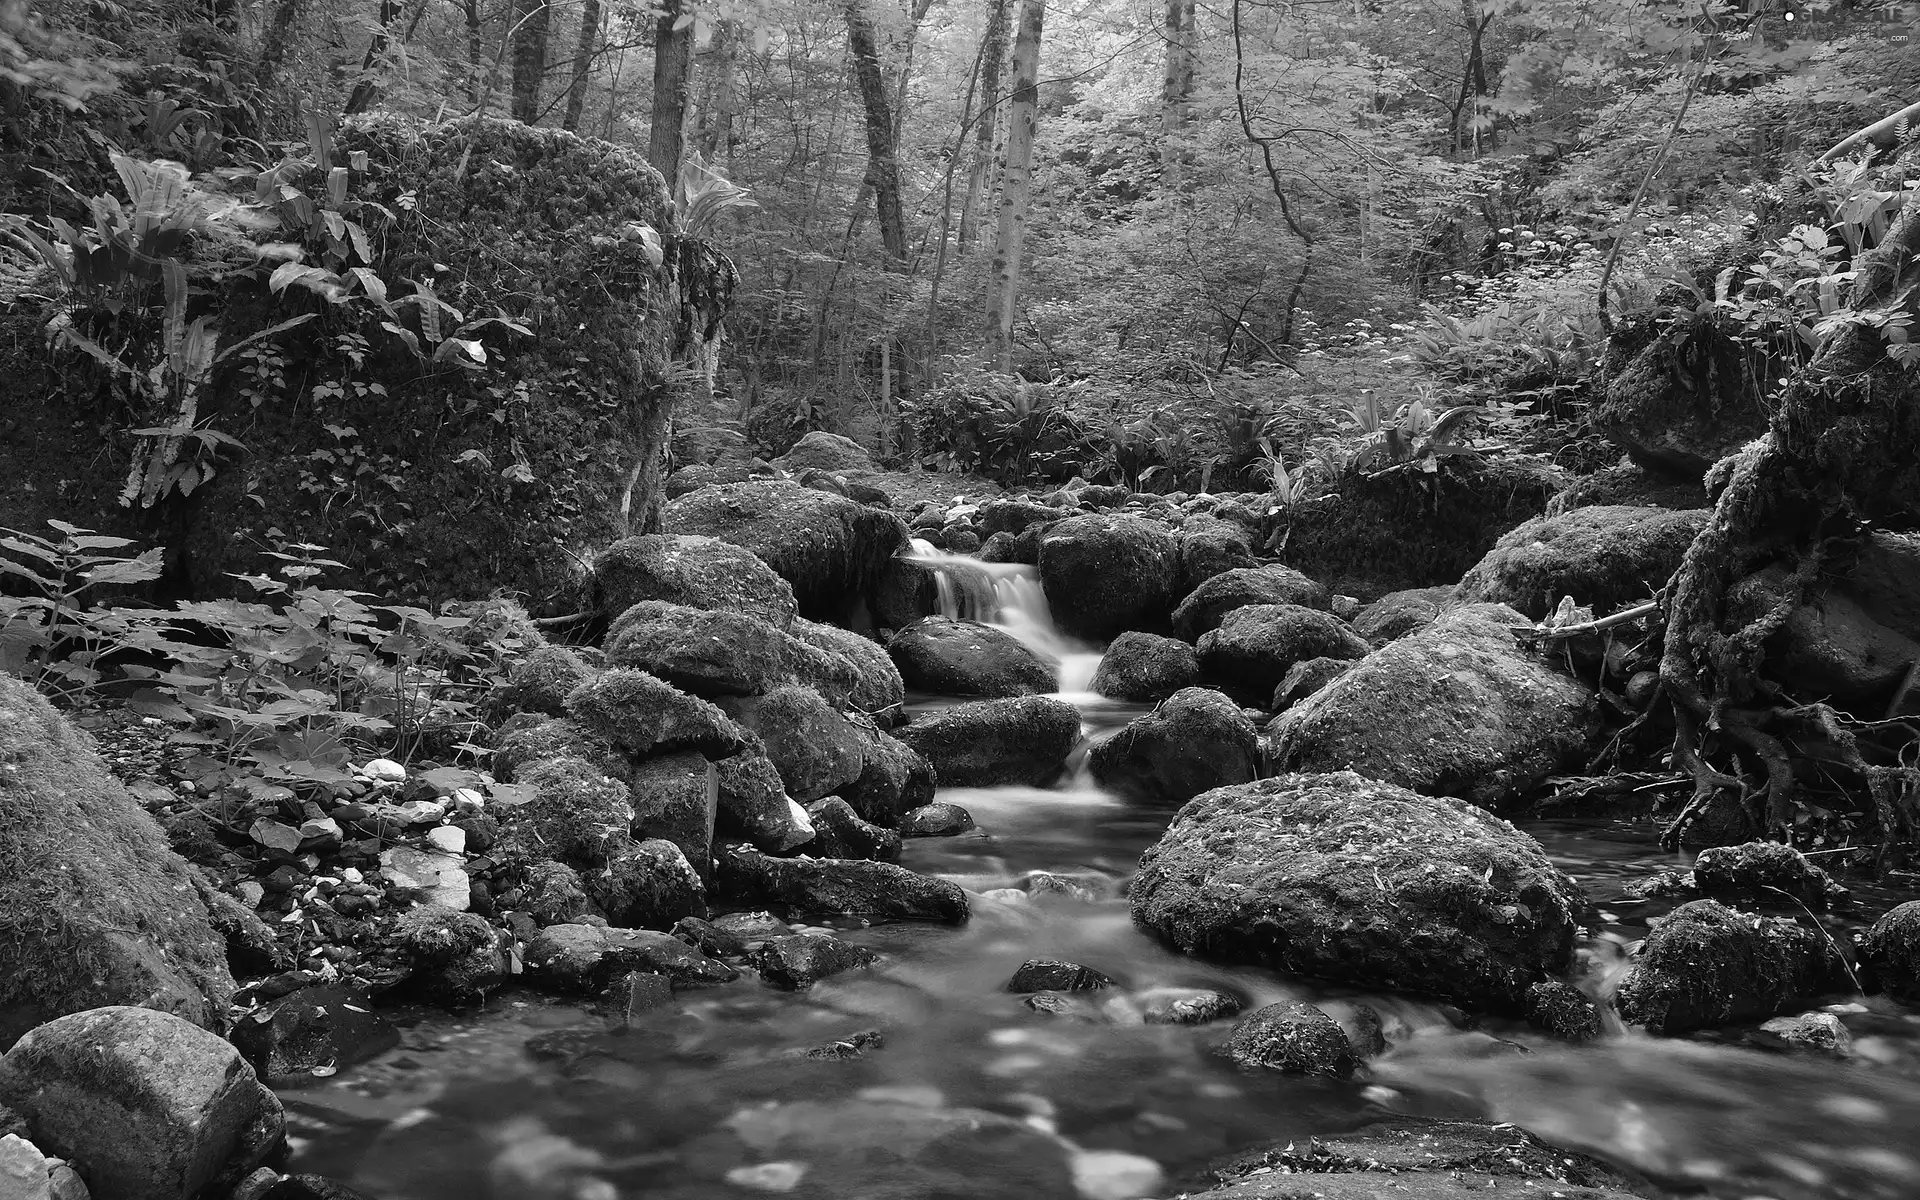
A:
(769, 1177)
(384, 770)
(467, 800)
(422, 812)
(23, 1170)
(1114, 1175)
(251, 893)
(352, 875)
(450, 838)
(440, 873)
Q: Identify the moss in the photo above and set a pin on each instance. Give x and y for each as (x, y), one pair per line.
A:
(540, 681)
(695, 571)
(521, 745)
(1707, 965)
(876, 684)
(577, 813)
(1679, 398)
(1606, 558)
(641, 713)
(1626, 482)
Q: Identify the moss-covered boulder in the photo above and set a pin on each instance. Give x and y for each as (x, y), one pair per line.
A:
(698, 572)
(986, 743)
(1255, 646)
(1605, 557)
(876, 684)
(1397, 614)
(1346, 879)
(814, 746)
(1295, 1038)
(1210, 546)
(714, 653)
(577, 813)
(1145, 666)
(1679, 399)
(1890, 953)
(1706, 964)
(830, 549)
(1628, 483)
(539, 682)
(1209, 602)
(753, 804)
(1458, 709)
(1196, 741)
(830, 452)
(1104, 575)
(966, 658)
(427, 478)
(95, 907)
(643, 714)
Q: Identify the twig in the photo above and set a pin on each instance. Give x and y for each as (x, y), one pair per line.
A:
(1900, 693)
(1633, 209)
(558, 622)
(1622, 617)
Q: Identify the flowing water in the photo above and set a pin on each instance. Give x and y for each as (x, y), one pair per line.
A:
(971, 1091)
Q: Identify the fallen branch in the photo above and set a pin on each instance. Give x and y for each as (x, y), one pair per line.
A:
(1881, 133)
(1623, 617)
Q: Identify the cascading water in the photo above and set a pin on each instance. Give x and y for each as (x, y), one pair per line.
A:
(1009, 597)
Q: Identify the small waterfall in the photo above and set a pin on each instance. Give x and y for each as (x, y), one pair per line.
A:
(1008, 596)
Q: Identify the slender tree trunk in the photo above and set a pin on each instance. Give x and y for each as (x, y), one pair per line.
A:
(533, 21)
(364, 90)
(672, 81)
(993, 48)
(883, 167)
(1182, 45)
(1473, 79)
(277, 41)
(1003, 297)
(582, 65)
(713, 127)
(475, 60)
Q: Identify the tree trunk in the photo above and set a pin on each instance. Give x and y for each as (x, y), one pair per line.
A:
(582, 65)
(1003, 295)
(475, 62)
(1182, 45)
(993, 48)
(533, 20)
(364, 89)
(1473, 80)
(883, 167)
(672, 82)
(277, 41)
(714, 124)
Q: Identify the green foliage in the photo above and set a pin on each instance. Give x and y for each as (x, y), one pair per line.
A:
(999, 426)
(46, 636)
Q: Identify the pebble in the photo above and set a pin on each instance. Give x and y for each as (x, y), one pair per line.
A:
(251, 893)
(440, 873)
(423, 812)
(769, 1177)
(467, 800)
(384, 770)
(450, 838)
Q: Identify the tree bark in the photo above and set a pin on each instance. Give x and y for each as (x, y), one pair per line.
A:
(713, 126)
(993, 48)
(672, 83)
(1182, 45)
(277, 41)
(1003, 296)
(364, 90)
(582, 65)
(883, 166)
(475, 60)
(533, 21)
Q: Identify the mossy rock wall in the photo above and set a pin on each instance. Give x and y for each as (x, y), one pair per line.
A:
(1407, 528)
(451, 481)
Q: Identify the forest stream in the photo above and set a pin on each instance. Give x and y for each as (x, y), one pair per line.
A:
(533, 1096)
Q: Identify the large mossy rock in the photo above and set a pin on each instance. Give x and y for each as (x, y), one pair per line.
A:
(1458, 709)
(449, 482)
(1404, 528)
(966, 658)
(1104, 575)
(832, 550)
(1606, 557)
(1211, 600)
(1706, 964)
(1255, 646)
(95, 907)
(1196, 741)
(699, 572)
(986, 743)
(1360, 882)
(1679, 400)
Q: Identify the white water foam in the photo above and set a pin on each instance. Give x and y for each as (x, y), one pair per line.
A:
(1009, 597)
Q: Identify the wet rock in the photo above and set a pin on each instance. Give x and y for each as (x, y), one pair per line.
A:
(1000, 548)
(907, 590)
(800, 960)
(823, 451)
(1679, 404)
(675, 798)
(753, 804)
(576, 813)
(1195, 741)
(876, 684)
(1104, 575)
(146, 1104)
(1203, 610)
(1210, 546)
(1365, 1033)
(840, 833)
(540, 681)
(552, 894)
(1304, 679)
(1607, 558)
(1185, 1006)
(327, 1026)
(854, 1045)
(1890, 953)
(1706, 965)
(1046, 886)
(814, 747)
(1296, 1038)
(986, 743)
(840, 887)
(1764, 872)
(1348, 879)
(751, 928)
(643, 715)
(715, 654)
(893, 776)
(635, 994)
(1052, 975)
(1627, 483)
(586, 958)
(1059, 1004)
(1397, 614)
(138, 932)
(708, 938)
(526, 740)
(647, 885)
(1255, 645)
(456, 956)
(829, 548)
(699, 572)
(1013, 516)
(1458, 709)
(1808, 1033)
(936, 820)
(966, 658)
(311, 1187)
(1564, 1011)
(1144, 666)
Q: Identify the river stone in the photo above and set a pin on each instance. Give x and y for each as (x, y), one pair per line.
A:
(1195, 741)
(829, 548)
(1104, 575)
(893, 778)
(1397, 614)
(586, 958)
(987, 743)
(1298, 1039)
(1145, 666)
(455, 957)
(439, 876)
(1052, 975)
(1706, 965)
(753, 803)
(823, 451)
(800, 960)
(647, 885)
(576, 813)
(840, 833)
(966, 658)
(1209, 547)
(140, 930)
(1680, 400)
(1304, 679)
(715, 654)
(552, 894)
(1185, 1006)
(325, 1026)
(876, 685)
(1607, 558)
(676, 798)
(936, 820)
(814, 747)
(147, 1105)
(1890, 953)
(1257, 644)
(643, 714)
(1765, 873)
(1360, 882)
(840, 887)
(1458, 709)
(1012, 515)
(1202, 611)
(1566, 1012)
(1807, 1033)
(699, 572)
(527, 739)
